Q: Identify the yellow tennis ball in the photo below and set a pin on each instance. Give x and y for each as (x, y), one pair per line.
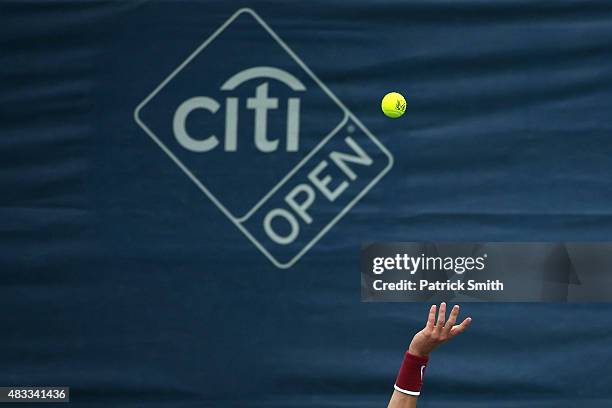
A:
(393, 105)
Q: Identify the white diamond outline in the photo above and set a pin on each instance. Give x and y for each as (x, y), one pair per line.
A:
(236, 221)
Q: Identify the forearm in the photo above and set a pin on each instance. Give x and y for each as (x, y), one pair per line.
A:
(409, 381)
(399, 400)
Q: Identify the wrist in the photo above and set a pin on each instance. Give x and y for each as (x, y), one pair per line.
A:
(410, 377)
(418, 353)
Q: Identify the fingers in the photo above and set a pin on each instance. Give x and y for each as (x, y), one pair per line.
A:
(443, 329)
(431, 319)
(460, 328)
(452, 318)
(441, 316)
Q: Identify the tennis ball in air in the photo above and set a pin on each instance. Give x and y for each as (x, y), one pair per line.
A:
(393, 105)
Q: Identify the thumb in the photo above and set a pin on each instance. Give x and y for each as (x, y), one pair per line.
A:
(455, 330)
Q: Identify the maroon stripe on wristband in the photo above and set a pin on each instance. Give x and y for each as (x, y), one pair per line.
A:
(410, 377)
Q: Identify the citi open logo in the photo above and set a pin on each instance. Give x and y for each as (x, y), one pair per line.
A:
(263, 138)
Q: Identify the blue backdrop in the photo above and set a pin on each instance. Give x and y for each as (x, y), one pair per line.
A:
(125, 282)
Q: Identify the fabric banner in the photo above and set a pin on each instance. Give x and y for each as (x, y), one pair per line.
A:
(186, 186)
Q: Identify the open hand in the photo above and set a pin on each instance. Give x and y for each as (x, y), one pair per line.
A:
(437, 332)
